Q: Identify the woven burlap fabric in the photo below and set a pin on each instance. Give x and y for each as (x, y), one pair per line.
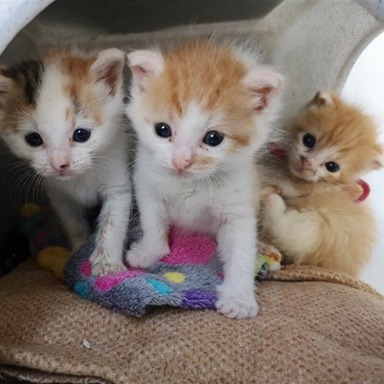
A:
(326, 330)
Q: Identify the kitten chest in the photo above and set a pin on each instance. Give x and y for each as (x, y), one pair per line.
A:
(193, 209)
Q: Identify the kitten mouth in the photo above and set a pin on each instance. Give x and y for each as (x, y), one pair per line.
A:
(62, 176)
(65, 177)
(182, 174)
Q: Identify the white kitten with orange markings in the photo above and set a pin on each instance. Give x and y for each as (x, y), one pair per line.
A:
(317, 216)
(64, 116)
(199, 110)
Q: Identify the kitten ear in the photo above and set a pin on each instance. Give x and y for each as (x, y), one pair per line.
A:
(322, 99)
(378, 160)
(263, 84)
(145, 63)
(108, 67)
(5, 85)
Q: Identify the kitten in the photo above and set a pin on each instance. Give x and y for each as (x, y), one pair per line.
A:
(315, 217)
(64, 115)
(199, 110)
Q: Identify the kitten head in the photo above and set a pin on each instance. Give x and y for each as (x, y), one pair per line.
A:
(333, 141)
(196, 107)
(60, 113)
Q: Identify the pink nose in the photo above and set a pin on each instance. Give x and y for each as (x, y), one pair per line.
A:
(181, 163)
(60, 168)
(305, 164)
(60, 163)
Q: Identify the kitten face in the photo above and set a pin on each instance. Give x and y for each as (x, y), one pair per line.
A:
(60, 113)
(195, 109)
(333, 141)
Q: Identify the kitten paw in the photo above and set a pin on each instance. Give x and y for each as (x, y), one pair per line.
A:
(142, 256)
(269, 251)
(271, 189)
(237, 307)
(106, 268)
(103, 264)
(274, 205)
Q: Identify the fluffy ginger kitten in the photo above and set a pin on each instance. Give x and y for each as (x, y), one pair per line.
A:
(63, 115)
(316, 217)
(198, 111)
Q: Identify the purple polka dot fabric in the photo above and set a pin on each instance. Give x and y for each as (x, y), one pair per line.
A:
(186, 278)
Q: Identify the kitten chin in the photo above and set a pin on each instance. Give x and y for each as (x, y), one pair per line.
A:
(199, 110)
(315, 218)
(63, 115)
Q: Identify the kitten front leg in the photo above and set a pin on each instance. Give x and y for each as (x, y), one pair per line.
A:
(237, 249)
(273, 207)
(112, 228)
(295, 233)
(72, 217)
(154, 243)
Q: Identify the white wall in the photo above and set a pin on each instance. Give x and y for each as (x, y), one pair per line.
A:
(365, 86)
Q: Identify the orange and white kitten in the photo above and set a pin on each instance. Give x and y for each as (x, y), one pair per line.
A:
(64, 115)
(199, 110)
(315, 217)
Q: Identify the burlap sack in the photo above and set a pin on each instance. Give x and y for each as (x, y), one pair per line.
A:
(314, 327)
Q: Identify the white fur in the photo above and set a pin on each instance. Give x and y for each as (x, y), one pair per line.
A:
(98, 168)
(223, 207)
(216, 199)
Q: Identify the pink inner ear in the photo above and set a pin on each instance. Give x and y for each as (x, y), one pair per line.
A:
(263, 84)
(276, 150)
(263, 96)
(144, 63)
(111, 76)
(139, 71)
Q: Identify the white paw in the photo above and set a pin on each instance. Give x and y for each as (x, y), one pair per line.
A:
(274, 205)
(107, 268)
(102, 264)
(269, 250)
(142, 256)
(237, 307)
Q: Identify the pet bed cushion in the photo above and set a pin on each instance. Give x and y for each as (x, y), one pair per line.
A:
(314, 327)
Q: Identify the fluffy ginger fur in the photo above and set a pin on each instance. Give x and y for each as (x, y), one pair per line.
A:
(198, 110)
(63, 115)
(310, 213)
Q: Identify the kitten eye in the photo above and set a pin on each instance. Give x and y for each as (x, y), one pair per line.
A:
(309, 140)
(33, 139)
(81, 135)
(163, 130)
(331, 166)
(213, 138)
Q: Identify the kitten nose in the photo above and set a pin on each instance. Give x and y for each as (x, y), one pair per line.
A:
(60, 163)
(59, 167)
(305, 163)
(182, 162)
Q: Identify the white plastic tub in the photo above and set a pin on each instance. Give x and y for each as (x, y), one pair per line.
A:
(314, 43)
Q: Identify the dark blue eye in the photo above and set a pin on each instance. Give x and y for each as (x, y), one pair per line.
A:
(309, 141)
(213, 138)
(163, 130)
(81, 135)
(33, 139)
(331, 166)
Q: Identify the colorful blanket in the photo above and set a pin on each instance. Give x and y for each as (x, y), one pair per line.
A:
(186, 278)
